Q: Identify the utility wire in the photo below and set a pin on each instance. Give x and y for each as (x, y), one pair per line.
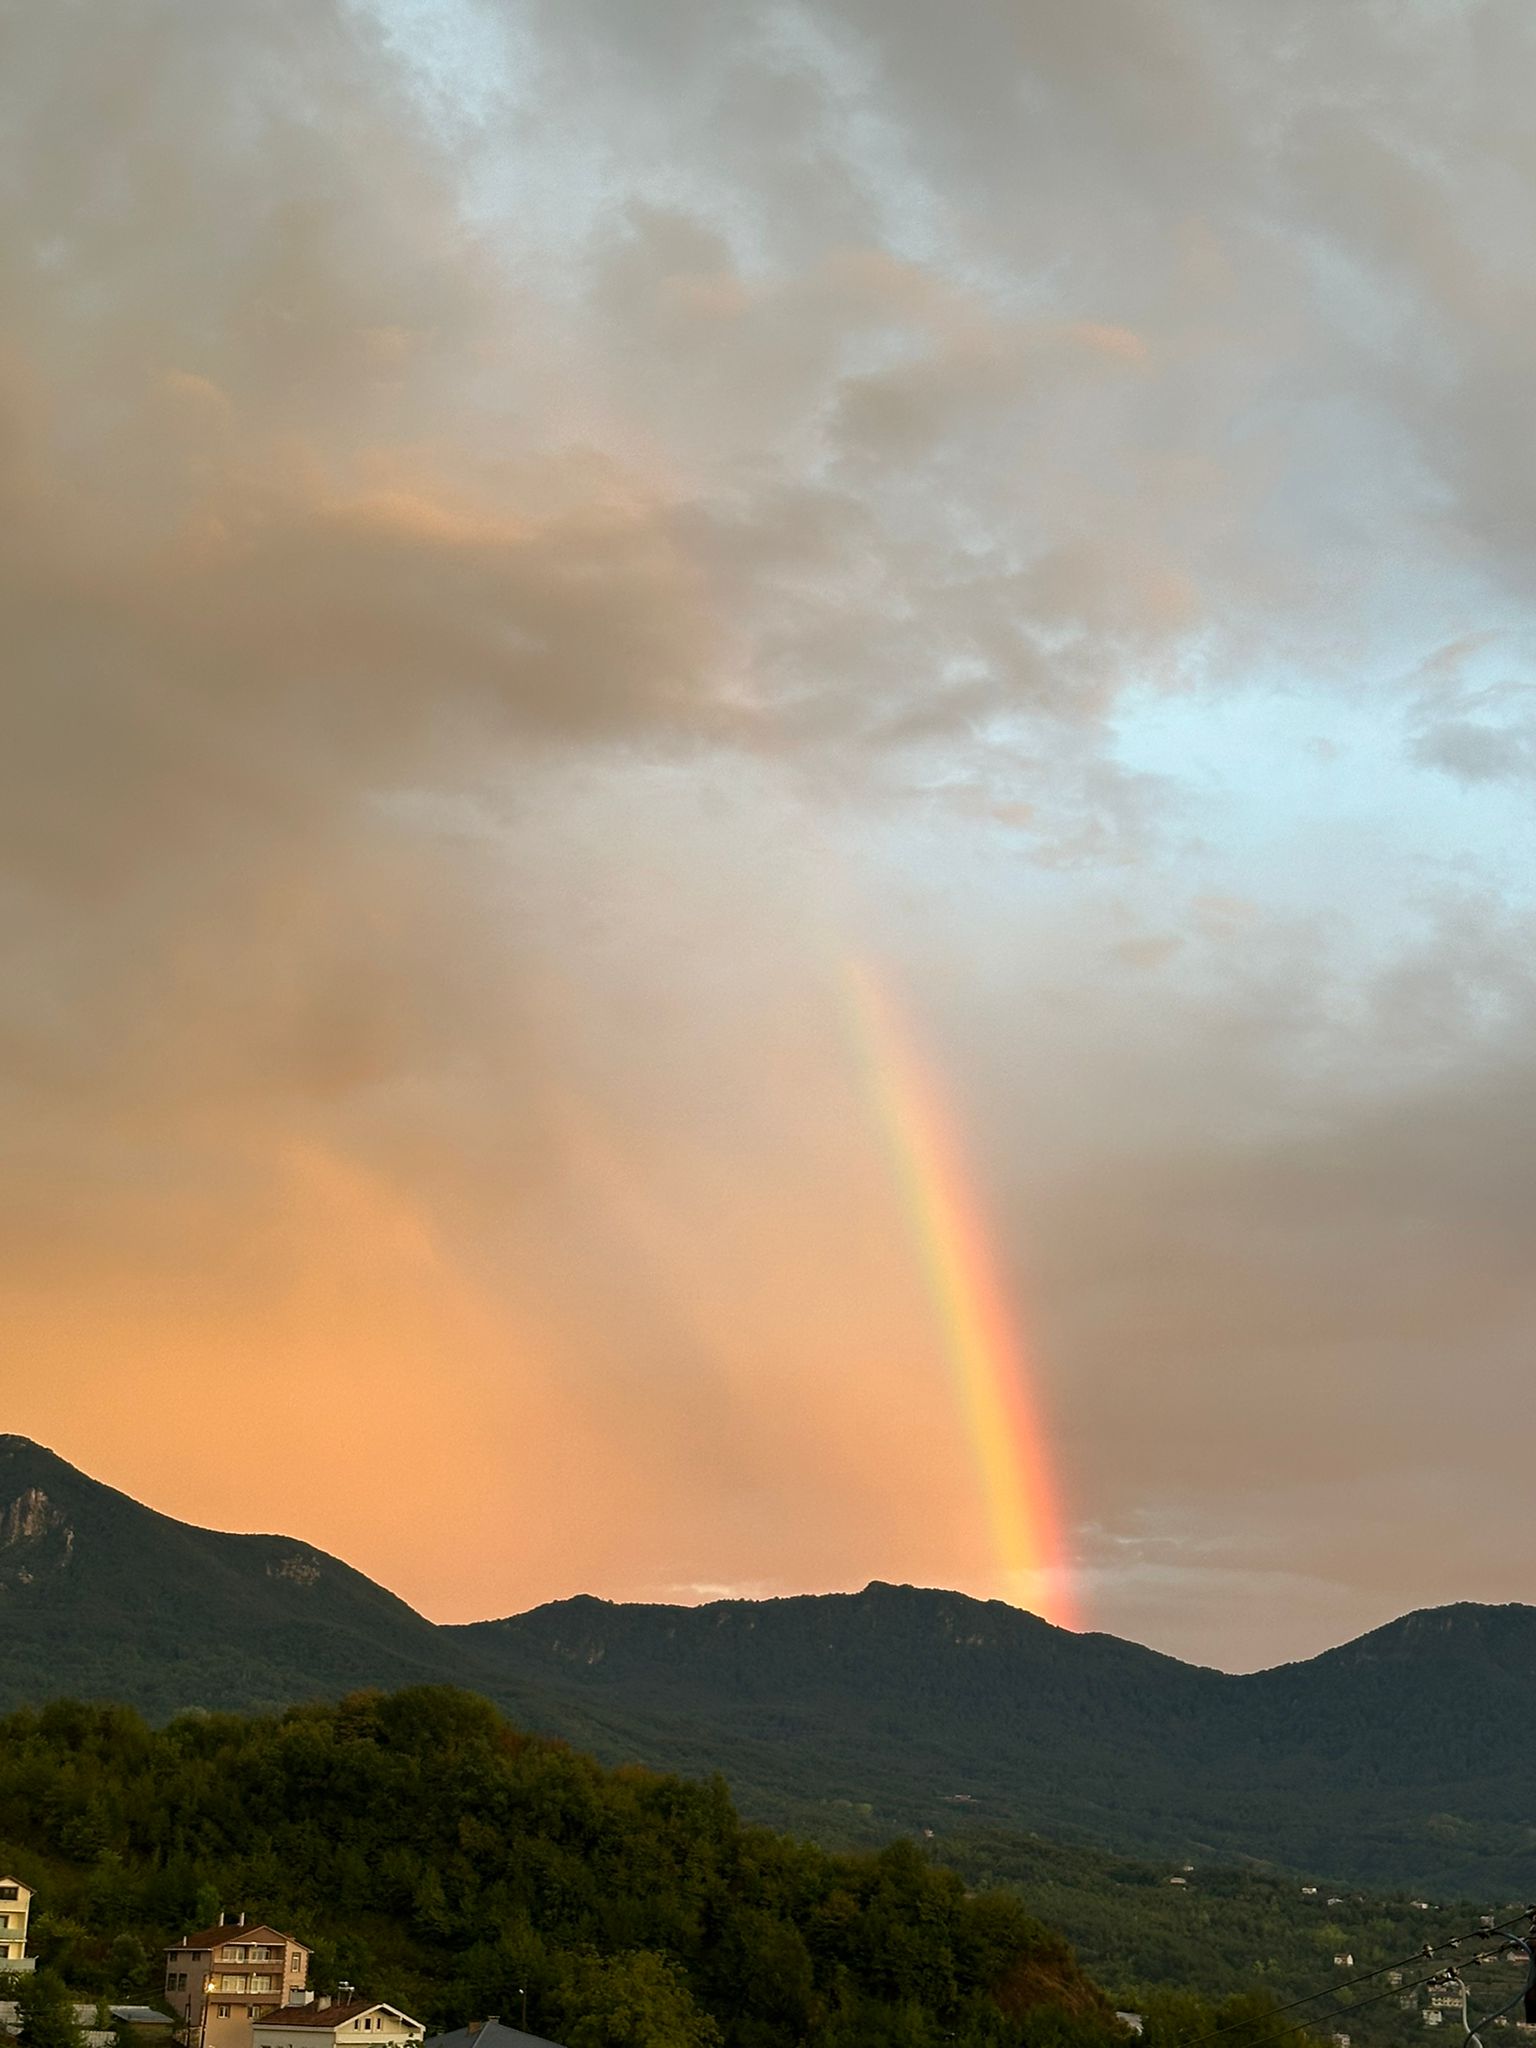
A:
(1521, 1997)
(1324, 2020)
(1447, 1976)
(1319, 2021)
(1430, 1949)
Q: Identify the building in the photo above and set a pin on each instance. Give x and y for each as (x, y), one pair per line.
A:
(15, 1910)
(218, 1981)
(1344, 1960)
(1135, 2021)
(490, 2033)
(142, 2018)
(344, 2023)
(1433, 2016)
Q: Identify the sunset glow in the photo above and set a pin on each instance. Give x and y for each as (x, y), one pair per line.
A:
(531, 535)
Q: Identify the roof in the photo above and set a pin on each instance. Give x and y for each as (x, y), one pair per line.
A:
(19, 1882)
(140, 2016)
(328, 2016)
(216, 1937)
(488, 2034)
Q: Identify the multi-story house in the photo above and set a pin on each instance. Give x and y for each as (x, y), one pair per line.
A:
(219, 1980)
(15, 1906)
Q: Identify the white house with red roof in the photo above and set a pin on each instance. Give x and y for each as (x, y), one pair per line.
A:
(349, 2023)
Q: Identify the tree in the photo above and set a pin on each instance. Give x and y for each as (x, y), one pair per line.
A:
(127, 1965)
(638, 2000)
(45, 2013)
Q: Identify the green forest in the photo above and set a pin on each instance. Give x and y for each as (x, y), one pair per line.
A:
(1229, 1929)
(436, 1856)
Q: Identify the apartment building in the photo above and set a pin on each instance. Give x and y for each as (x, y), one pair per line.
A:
(219, 1980)
(15, 1909)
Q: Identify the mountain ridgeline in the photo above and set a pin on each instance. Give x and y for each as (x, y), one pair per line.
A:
(1389, 1761)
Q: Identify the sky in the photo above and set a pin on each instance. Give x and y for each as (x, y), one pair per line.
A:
(543, 542)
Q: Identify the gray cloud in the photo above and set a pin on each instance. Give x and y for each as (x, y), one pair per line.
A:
(512, 518)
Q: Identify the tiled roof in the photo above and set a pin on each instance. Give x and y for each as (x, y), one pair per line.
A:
(328, 2016)
(219, 1937)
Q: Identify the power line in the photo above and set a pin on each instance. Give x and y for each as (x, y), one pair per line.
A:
(1343, 2012)
(1522, 1996)
(1430, 1949)
(1447, 1976)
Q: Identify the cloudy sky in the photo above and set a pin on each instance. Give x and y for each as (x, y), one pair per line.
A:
(534, 535)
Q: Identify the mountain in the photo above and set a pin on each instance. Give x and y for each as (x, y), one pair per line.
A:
(1392, 1760)
(102, 1598)
(1388, 1760)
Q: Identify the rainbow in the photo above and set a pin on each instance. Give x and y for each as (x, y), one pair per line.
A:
(987, 1358)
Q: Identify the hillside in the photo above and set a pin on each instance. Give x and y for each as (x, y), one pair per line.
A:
(435, 1856)
(1218, 1931)
(848, 1716)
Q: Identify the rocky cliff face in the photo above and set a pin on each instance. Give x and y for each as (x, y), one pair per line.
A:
(36, 1539)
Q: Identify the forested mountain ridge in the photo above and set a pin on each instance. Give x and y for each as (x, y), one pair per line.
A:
(103, 1598)
(1384, 1761)
(848, 1716)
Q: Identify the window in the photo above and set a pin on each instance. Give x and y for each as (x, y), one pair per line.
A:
(223, 2012)
(262, 1984)
(8, 1891)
